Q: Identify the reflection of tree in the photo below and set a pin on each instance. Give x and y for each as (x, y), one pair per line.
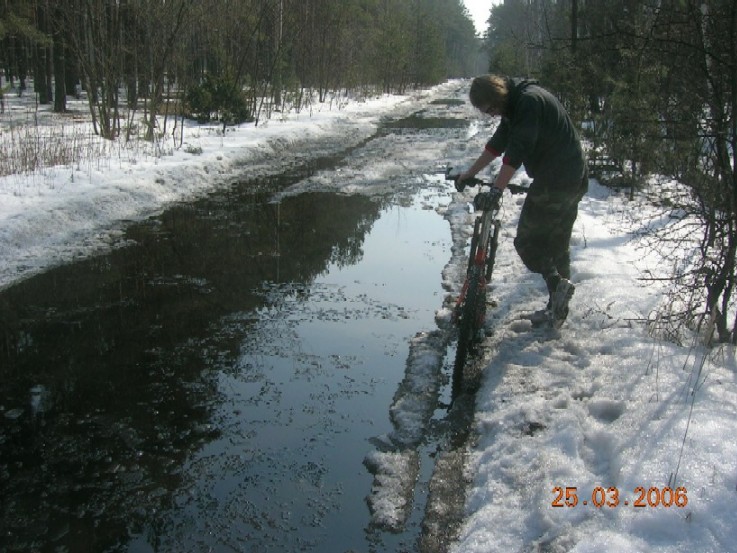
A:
(124, 347)
(332, 233)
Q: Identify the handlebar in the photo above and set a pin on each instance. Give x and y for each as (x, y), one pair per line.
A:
(513, 188)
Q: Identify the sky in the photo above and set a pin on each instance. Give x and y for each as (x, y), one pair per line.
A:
(600, 433)
(479, 10)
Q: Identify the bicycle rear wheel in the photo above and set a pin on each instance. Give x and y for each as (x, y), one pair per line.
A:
(472, 314)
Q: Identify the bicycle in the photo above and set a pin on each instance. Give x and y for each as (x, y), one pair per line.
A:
(469, 313)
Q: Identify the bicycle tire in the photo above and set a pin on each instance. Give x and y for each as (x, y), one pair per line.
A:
(472, 317)
(491, 252)
(474, 244)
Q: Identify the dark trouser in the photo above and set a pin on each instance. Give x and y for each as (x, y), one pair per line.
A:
(544, 229)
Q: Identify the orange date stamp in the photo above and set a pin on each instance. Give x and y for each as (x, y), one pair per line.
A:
(653, 496)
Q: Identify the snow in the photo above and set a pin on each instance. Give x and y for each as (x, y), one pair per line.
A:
(601, 406)
(598, 408)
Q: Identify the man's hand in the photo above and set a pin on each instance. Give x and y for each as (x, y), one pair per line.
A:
(485, 201)
(460, 181)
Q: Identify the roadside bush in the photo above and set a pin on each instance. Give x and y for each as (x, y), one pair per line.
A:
(218, 98)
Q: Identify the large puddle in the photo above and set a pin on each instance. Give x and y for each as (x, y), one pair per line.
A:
(216, 383)
(213, 385)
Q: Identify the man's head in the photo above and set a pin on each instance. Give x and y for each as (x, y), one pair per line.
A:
(489, 93)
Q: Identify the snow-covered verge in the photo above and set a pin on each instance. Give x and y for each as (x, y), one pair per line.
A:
(598, 436)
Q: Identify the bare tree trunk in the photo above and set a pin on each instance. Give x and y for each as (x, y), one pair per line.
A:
(574, 25)
(159, 63)
(60, 63)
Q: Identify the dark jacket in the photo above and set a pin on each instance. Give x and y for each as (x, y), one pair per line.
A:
(536, 131)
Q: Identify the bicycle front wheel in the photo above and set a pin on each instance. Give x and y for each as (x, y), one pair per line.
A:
(491, 252)
(472, 315)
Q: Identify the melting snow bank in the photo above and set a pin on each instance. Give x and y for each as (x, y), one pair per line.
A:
(395, 464)
(392, 492)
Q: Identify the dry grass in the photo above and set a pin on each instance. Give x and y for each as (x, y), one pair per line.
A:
(28, 148)
(33, 139)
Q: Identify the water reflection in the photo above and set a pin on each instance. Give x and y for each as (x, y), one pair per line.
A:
(107, 384)
(420, 121)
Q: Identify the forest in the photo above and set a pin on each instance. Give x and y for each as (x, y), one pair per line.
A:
(220, 58)
(653, 84)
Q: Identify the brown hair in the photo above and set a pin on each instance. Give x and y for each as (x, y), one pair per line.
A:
(490, 91)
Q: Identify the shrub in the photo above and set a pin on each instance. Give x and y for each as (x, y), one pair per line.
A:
(218, 98)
